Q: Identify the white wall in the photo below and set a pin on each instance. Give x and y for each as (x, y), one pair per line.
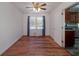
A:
(25, 22)
(57, 22)
(10, 25)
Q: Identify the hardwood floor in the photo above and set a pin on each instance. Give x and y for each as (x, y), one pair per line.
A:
(36, 46)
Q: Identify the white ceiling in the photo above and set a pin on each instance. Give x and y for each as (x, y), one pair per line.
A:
(49, 7)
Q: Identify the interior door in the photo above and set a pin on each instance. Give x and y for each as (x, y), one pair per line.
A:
(36, 26)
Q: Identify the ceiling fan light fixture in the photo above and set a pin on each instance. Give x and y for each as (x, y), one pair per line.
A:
(37, 9)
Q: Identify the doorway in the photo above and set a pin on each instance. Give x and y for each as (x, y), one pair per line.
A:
(72, 29)
(36, 26)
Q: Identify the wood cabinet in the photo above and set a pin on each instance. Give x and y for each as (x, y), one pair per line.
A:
(69, 39)
(77, 17)
(71, 17)
(67, 16)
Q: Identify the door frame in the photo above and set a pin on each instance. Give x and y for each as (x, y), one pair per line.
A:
(63, 24)
(28, 26)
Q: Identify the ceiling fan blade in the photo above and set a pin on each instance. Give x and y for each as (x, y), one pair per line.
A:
(43, 8)
(44, 4)
(37, 3)
(28, 7)
(33, 4)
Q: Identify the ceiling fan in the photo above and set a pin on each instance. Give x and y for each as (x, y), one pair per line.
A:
(38, 6)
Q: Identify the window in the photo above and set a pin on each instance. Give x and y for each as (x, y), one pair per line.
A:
(36, 22)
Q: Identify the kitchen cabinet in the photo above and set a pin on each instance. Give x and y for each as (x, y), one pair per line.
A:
(77, 17)
(69, 39)
(67, 16)
(71, 17)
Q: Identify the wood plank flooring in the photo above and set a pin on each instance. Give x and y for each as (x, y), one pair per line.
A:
(35, 46)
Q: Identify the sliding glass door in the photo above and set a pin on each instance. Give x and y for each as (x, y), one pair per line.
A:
(36, 26)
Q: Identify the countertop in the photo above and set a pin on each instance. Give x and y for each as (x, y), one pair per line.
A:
(69, 30)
